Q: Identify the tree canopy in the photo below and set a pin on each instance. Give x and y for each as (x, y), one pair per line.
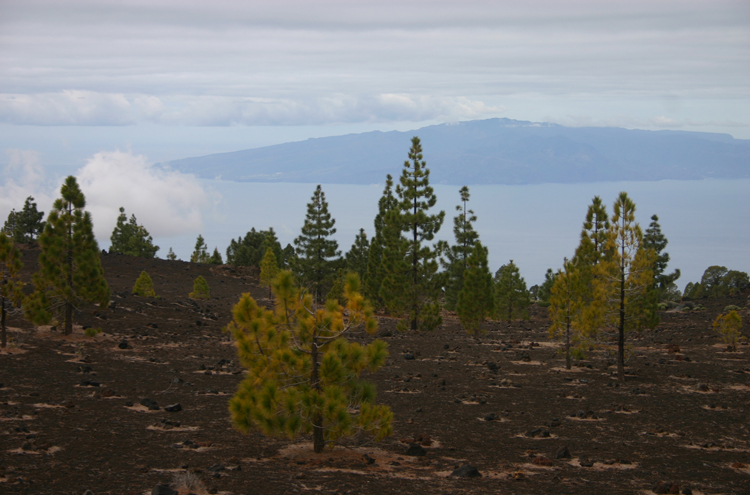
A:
(130, 238)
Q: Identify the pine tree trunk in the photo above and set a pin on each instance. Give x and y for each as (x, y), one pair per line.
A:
(317, 420)
(567, 345)
(68, 306)
(2, 322)
(415, 262)
(621, 329)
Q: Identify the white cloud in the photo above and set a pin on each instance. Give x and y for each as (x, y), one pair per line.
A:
(67, 107)
(167, 203)
(23, 177)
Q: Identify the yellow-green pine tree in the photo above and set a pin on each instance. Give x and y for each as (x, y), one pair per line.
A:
(303, 375)
(10, 284)
(70, 269)
(567, 303)
(200, 289)
(623, 278)
(144, 286)
(269, 268)
(729, 326)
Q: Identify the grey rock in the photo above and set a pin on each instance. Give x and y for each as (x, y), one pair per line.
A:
(467, 471)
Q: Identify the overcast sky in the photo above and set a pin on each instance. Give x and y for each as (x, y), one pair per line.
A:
(162, 79)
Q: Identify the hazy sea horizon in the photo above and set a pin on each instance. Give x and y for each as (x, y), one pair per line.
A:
(707, 222)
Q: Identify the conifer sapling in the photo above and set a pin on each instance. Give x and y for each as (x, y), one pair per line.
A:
(10, 284)
(200, 289)
(144, 286)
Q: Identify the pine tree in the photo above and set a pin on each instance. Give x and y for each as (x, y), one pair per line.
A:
(144, 286)
(303, 375)
(269, 269)
(373, 279)
(655, 240)
(567, 304)
(315, 249)
(476, 299)
(511, 296)
(10, 284)
(200, 253)
(132, 239)
(411, 282)
(171, 256)
(215, 258)
(624, 276)
(25, 226)
(357, 257)
(593, 246)
(70, 270)
(200, 289)
(545, 290)
(729, 326)
(458, 254)
(288, 257)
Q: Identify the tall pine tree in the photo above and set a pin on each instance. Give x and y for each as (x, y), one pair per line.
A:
(457, 255)
(25, 226)
(130, 238)
(373, 279)
(70, 270)
(356, 258)
(623, 277)
(411, 283)
(200, 253)
(511, 296)
(476, 299)
(654, 239)
(316, 251)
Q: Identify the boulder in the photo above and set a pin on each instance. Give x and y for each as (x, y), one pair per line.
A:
(416, 450)
(467, 471)
(173, 408)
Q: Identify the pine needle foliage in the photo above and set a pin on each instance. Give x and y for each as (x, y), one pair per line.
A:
(623, 277)
(200, 253)
(70, 269)
(144, 286)
(567, 305)
(316, 250)
(457, 255)
(132, 239)
(215, 258)
(373, 279)
(171, 256)
(10, 283)
(511, 296)
(411, 285)
(476, 299)
(269, 269)
(25, 226)
(200, 289)
(303, 375)
(356, 258)
(729, 326)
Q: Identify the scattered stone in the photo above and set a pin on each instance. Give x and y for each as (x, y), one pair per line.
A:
(492, 367)
(89, 383)
(124, 345)
(173, 408)
(369, 460)
(585, 461)
(424, 439)
(702, 387)
(150, 404)
(84, 368)
(563, 453)
(409, 356)
(416, 450)
(467, 471)
(216, 468)
(540, 460)
(490, 417)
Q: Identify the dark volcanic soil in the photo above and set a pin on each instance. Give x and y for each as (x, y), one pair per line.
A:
(71, 417)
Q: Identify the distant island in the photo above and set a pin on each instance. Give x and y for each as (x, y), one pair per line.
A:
(494, 151)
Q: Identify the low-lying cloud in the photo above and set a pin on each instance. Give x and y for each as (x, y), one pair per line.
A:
(166, 202)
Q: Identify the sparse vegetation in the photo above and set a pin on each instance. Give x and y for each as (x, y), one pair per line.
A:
(144, 286)
(132, 239)
(200, 289)
(729, 326)
(10, 285)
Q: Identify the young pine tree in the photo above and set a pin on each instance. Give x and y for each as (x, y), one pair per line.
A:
(303, 375)
(215, 258)
(200, 253)
(373, 279)
(70, 270)
(622, 279)
(729, 326)
(458, 254)
(315, 249)
(356, 258)
(567, 303)
(269, 269)
(655, 240)
(144, 286)
(10, 284)
(132, 239)
(476, 299)
(171, 256)
(511, 296)
(200, 289)
(411, 283)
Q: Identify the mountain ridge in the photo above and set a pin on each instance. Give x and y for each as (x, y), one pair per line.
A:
(493, 151)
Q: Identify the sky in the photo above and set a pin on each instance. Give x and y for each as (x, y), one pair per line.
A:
(105, 89)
